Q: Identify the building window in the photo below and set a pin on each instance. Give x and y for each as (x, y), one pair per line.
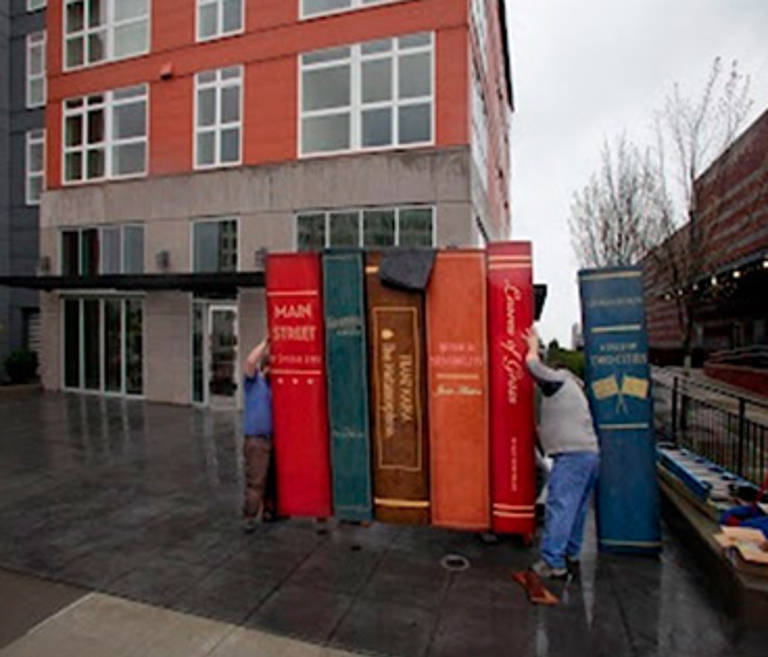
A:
(105, 135)
(214, 245)
(104, 30)
(479, 127)
(311, 8)
(36, 69)
(103, 345)
(368, 228)
(480, 28)
(218, 18)
(35, 166)
(106, 250)
(218, 117)
(368, 96)
(34, 5)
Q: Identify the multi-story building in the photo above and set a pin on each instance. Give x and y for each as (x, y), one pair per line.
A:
(720, 295)
(22, 175)
(185, 136)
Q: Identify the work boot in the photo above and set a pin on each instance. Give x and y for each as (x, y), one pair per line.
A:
(572, 565)
(543, 569)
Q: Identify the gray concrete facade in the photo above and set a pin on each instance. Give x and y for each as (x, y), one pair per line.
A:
(265, 200)
(19, 236)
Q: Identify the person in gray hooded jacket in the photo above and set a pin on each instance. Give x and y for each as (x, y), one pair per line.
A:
(567, 434)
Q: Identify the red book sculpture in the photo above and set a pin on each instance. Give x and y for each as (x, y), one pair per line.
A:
(510, 313)
(299, 408)
(458, 391)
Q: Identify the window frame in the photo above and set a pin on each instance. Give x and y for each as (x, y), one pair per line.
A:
(354, 5)
(36, 5)
(479, 12)
(214, 220)
(220, 20)
(218, 85)
(108, 143)
(101, 298)
(356, 107)
(30, 140)
(100, 231)
(479, 147)
(38, 39)
(397, 209)
(109, 42)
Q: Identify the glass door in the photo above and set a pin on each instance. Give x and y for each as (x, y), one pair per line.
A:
(223, 374)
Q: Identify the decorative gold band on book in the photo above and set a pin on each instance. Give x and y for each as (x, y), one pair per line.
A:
(506, 514)
(514, 507)
(402, 504)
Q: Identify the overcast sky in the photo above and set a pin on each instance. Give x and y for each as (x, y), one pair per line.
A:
(584, 70)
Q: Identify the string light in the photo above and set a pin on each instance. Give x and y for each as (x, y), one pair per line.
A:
(713, 280)
(737, 274)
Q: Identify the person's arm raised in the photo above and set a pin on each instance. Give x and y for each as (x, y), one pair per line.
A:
(548, 379)
(251, 365)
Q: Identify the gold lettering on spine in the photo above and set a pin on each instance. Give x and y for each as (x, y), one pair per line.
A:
(388, 382)
(395, 387)
(512, 363)
(405, 379)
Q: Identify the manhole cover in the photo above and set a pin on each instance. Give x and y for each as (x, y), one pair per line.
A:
(454, 562)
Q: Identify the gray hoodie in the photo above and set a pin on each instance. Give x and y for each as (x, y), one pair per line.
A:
(566, 423)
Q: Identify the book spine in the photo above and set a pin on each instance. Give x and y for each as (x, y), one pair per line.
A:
(458, 391)
(347, 375)
(619, 390)
(510, 314)
(399, 426)
(295, 317)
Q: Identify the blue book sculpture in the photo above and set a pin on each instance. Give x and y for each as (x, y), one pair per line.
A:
(347, 372)
(618, 387)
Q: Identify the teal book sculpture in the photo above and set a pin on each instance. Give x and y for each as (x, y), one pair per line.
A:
(347, 374)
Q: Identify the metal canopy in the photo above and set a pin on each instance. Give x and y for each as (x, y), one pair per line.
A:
(218, 282)
(214, 283)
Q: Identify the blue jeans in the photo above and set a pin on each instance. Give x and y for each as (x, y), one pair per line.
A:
(571, 482)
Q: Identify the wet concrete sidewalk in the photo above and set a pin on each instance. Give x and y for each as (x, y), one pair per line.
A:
(140, 501)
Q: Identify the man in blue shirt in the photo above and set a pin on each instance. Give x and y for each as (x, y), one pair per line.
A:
(259, 502)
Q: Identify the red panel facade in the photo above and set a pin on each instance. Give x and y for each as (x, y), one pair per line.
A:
(268, 49)
(458, 391)
(300, 411)
(497, 103)
(510, 313)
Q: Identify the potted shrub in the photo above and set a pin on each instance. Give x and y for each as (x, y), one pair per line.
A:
(21, 366)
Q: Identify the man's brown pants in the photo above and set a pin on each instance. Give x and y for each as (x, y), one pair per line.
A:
(259, 476)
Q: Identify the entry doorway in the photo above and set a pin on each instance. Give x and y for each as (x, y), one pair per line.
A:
(215, 367)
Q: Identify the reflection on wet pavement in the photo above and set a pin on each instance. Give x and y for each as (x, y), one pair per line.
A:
(141, 501)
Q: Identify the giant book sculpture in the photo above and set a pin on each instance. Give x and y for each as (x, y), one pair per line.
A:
(458, 390)
(398, 400)
(510, 313)
(346, 356)
(300, 411)
(618, 386)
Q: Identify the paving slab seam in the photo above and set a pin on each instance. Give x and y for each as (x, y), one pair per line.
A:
(439, 615)
(356, 597)
(282, 581)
